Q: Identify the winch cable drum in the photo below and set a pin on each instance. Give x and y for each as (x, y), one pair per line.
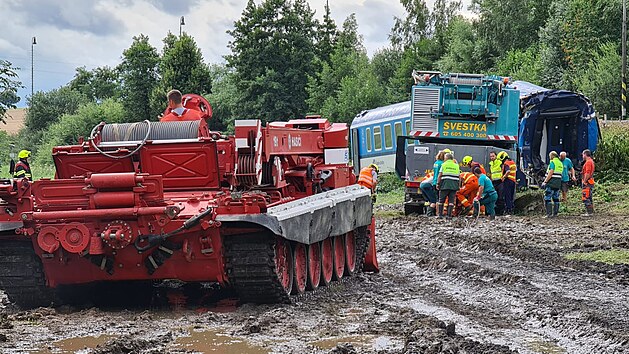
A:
(142, 132)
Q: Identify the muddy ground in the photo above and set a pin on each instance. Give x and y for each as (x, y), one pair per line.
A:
(445, 287)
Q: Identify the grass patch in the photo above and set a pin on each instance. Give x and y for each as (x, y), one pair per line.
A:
(613, 256)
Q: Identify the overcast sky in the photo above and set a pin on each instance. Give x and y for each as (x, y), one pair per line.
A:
(72, 33)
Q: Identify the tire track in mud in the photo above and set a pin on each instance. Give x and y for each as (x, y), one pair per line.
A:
(506, 284)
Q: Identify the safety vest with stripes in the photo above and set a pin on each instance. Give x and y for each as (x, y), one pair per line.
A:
(468, 178)
(365, 178)
(512, 170)
(450, 172)
(22, 170)
(495, 168)
(558, 170)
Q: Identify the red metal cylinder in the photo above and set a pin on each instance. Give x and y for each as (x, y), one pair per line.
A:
(114, 180)
(114, 199)
(97, 213)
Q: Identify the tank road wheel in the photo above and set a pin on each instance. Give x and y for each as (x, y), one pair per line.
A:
(284, 264)
(301, 268)
(327, 261)
(350, 253)
(339, 257)
(314, 265)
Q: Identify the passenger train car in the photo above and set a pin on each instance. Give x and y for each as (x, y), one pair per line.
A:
(374, 135)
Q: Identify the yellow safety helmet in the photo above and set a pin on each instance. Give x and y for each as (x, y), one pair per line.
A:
(375, 166)
(502, 155)
(24, 154)
(466, 160)
(447, 151)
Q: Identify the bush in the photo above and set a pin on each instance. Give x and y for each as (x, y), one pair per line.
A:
(72, 126)
(612, 154)
(389, 182)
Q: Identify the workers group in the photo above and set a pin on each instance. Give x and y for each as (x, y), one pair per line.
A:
(494, 190)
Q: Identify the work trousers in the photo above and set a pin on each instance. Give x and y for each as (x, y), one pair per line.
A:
(428, 191)
(447, 193)
(466, 195)
(489, 201)
(500, 202)
(508, 189)
(586, 197)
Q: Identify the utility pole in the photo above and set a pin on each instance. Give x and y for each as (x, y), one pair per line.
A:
(624, 60)
(33, 42)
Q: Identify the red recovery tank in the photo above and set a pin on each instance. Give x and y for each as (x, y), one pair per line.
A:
(269, 212)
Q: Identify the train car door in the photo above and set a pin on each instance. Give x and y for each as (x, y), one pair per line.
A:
(562, 135)
(354, 151)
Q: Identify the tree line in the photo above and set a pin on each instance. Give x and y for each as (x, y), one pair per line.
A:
(285, 63)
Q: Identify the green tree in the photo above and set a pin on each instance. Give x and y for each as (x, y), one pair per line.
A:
(461, 51)
(273, 55)
(421, 55)
(348, 54)
(71, 126)
(510, 24)
(444, 11)
(138, 73)
(45, 108)
(97, 84)
(600, 81)
(356, 94)
(521, 65)
(413, 27)
(8, 88)
(182, 67)
(224, 98)
(326, 36)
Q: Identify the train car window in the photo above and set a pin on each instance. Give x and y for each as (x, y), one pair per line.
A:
(377, 138)
(368, 138)
(408, 132)
(388, 137)
(398, 129)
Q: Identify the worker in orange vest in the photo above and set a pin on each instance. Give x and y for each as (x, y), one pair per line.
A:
(177, 111)
(467, 192)
(368, 178)
(509, 181)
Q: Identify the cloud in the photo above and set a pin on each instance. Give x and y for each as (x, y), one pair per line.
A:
(80, 16)
(178, 7)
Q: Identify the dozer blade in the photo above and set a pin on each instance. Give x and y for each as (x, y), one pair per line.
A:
(371, 261)
(313, 219)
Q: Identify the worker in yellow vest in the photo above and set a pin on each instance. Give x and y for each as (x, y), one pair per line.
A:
(448, 184)
(495, 174)
(552, 185)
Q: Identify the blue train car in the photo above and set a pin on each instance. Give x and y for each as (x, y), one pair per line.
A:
(556, 120)
(374, 135)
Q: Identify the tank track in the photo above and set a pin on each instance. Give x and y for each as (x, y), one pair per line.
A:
(250, 264)
(22, 275)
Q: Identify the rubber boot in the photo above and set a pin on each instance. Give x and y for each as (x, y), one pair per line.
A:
(450, 208)
(430, 211)
(549, 210)
(466, 210)
(440, 210)
(589, 210)
(476, 210)
(556, 209)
